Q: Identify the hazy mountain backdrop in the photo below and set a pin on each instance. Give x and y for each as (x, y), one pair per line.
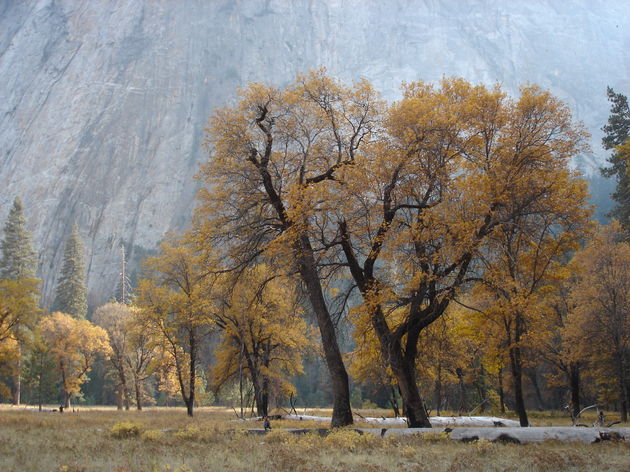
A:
(103, 102)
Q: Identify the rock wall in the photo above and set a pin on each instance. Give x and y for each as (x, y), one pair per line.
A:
(103, 102)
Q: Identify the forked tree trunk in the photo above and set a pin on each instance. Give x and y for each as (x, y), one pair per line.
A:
(405, 372)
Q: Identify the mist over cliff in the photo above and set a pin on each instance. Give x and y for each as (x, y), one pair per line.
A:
(103, 103)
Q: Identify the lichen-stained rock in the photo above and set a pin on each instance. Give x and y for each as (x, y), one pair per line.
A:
(103, 103)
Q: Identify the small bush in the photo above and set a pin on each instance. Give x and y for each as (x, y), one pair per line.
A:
(189, 433)
(441, 436)
(350, 440)
(125, 430)
(152, 435)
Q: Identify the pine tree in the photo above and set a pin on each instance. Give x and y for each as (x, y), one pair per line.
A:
(71, 295)
(617, 133)
(19, 263)
(19, 260)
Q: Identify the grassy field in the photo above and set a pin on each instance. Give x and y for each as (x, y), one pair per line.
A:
(166, 440)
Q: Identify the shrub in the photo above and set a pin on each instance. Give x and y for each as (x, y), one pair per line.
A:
(189, 433)
(152, 435)
(125, 430)
(350, 440)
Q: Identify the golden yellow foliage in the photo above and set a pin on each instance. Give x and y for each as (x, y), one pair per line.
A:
(263, 333)
(175, 313)
(599, 325)
(74, 344)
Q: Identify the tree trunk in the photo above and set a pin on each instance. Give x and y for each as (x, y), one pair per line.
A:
(517, 378)
(17, 376)
(123, 385)
(501, 392)
(462, 390)
(193, 361)
(394, 402)
(438, 391)
(533, 376)
(119, 397)
(136, 384)
(405, 373)
(262, 399)
(64, 386)
(574, 385)
(342, 413)
(623, 391)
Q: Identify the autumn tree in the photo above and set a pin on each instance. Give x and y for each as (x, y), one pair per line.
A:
(270, 156)
(18, 265)
(263, 334)
(114, 318)
(557, 342)
(420, 208)
(601, 319)
(74, 344)
(140, 354)
(617, 132)
(524, 262)
(71, 294)
(175, 311)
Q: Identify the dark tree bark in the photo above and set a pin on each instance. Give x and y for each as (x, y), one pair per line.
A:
(462, 390)
(574, 384)
(17, 377)
(119, 397)
(394, 402)
(533, 377)
(623, 387)
(193, 369)
(342, 413)
(501, 392)
(64, 386)
(517, 379)
(138, 391)
(438, 391)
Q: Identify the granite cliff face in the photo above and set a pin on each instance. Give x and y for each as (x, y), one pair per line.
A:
(103, 103)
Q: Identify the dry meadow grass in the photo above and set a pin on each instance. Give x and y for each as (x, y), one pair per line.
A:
(164, 439)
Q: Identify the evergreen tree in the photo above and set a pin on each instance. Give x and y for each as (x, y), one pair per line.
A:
(19, 263)
(19, 260)
(71, 294)
(617, 132)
